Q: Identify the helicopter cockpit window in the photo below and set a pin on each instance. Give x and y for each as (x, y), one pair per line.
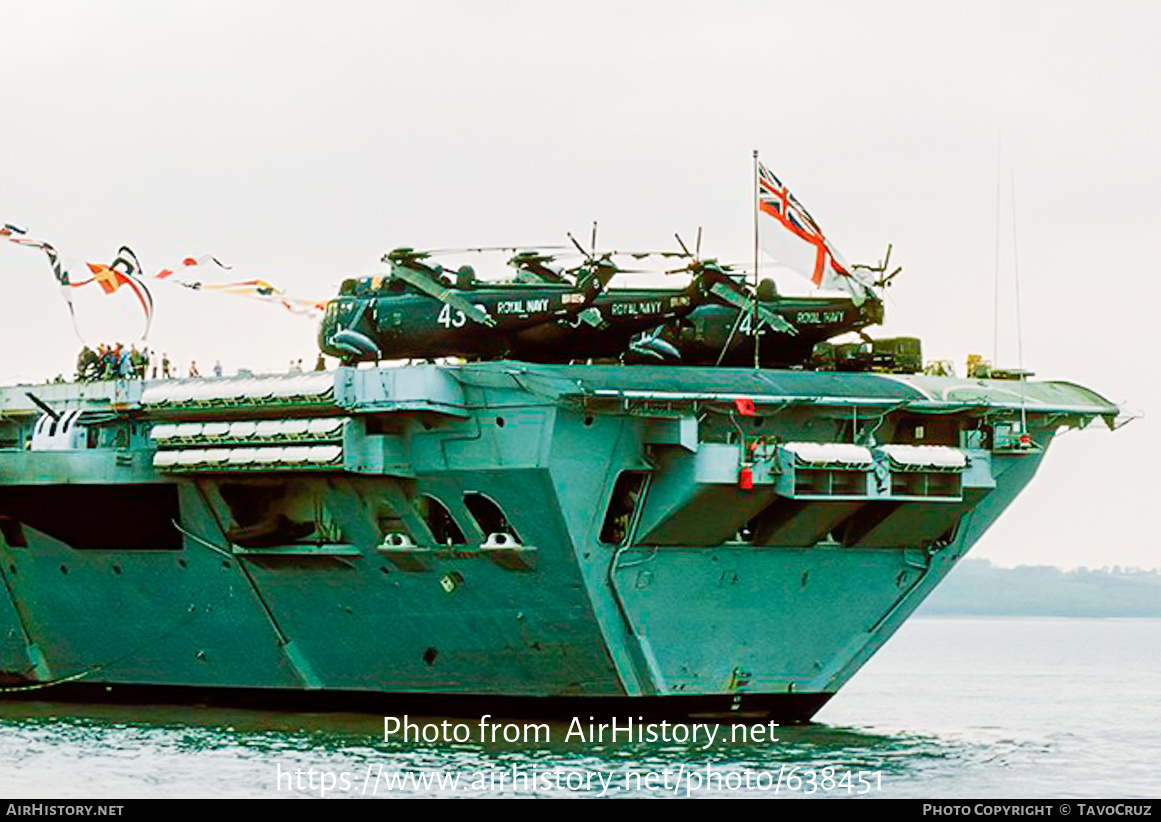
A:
(439, 521)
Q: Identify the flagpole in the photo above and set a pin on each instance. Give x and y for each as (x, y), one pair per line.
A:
(754, 304)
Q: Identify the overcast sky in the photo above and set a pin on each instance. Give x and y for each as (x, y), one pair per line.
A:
(299, 141)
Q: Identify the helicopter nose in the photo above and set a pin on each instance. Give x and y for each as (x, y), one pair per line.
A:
(330, 325)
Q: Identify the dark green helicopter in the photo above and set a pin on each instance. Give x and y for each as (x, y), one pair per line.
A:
(714, 321)
(418, 311)
(625, 322)
(717, 334)
(551, 315)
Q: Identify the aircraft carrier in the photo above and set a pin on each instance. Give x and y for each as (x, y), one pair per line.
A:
(499, 537)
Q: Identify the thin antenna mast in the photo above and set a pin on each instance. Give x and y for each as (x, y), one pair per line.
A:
(1016, 278)
(996, 281)
(754, 302)
(1019, 324)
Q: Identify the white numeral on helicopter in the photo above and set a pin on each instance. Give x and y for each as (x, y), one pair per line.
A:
(448, 321)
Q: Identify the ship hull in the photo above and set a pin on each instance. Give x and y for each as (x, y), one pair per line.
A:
(503, 539)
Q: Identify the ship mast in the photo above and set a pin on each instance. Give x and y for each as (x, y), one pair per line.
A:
(754, 302)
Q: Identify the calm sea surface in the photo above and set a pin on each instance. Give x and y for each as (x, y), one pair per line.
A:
(1032, 708)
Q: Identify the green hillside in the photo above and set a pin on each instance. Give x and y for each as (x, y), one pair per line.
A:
(976, 587)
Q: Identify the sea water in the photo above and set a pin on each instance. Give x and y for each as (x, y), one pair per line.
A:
(950, 708)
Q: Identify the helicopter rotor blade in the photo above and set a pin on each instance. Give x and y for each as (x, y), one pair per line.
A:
(487, 248)
(696, 266)
(404, 256)
(523, 275)
(579, 247)
(533, 267)
(417, 280)
(745, 303)
(448, 296)
(539, 276)
(470, 309)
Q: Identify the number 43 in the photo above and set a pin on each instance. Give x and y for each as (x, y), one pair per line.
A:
(448, 321)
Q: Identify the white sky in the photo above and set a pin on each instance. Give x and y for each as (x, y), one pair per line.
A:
(299, 141)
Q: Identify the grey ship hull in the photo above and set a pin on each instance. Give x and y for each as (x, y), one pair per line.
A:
(496, 538)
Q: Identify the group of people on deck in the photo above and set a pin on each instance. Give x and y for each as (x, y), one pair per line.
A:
(117, 362)
(112, 362)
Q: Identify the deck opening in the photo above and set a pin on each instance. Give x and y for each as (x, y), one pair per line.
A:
(439, 521)
(392, 525)
(267, 515)
(13, 533)
(622, 505)
(488, 515)
(94, 517)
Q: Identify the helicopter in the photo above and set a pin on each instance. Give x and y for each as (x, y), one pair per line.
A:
(549, 315)
(418, 311)
(722, 319)
(560, 315)
(716, 334)
(625, 322)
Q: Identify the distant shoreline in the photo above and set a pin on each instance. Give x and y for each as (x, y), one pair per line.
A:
(977, 588)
